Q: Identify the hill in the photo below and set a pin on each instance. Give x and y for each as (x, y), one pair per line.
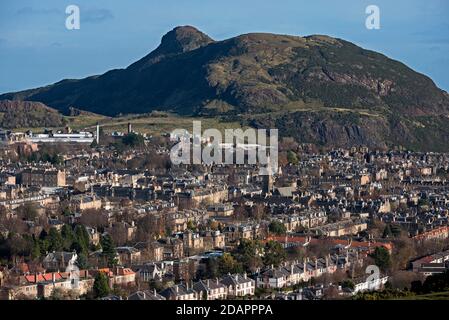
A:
(27, 114)
(317, 89)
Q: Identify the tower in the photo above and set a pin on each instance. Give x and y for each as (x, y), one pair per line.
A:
(267, 183)
(98, 134)
(129, 128)
(267, 187)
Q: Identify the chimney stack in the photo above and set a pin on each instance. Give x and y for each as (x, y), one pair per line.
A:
(98, 133)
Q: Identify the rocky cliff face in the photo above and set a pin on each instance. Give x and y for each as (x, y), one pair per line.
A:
(337, 92)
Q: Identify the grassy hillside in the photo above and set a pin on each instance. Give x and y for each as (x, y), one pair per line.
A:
(430, 296)
(150, 123)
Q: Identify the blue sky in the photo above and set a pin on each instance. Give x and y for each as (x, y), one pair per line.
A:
(36, 49)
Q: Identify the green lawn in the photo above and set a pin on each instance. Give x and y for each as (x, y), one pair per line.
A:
(430, 296)
(149, 124)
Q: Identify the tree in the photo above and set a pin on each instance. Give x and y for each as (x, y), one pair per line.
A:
(387, 232)
(381, 258)
(118, 233)
(17, 245)
(212, 269)
(82, 262)
(61, 294)
(403, 252)
(348, 284)
(416, 286)
(133, 140)
(36, 251)
(27, 212)
(55, 241)
(94, 218)
(436, 283)
(81, 239)
(150, 227)
(331, 293)
(191, 225)
(94, 144)
(109, 250)
(248, 254)
(258, 212)
(274, 254)
(292, 157)
(240, 212)
(68, 236)
(227, 264)
(101, 285)
(277, 227)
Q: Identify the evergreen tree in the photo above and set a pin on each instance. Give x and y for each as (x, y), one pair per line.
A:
(277, 227)
(387, 232)
(55, 241)
(36, 251)
(68, 236)
(109, 250)
(43, 235)
(248, 254)
(101, 285)
(82, 239)
(292, 157)
(382, 258)
(227, 264)
(274, 254)
(82, 262)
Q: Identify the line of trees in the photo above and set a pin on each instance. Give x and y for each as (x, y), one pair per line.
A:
(247, 257)
(70, 238)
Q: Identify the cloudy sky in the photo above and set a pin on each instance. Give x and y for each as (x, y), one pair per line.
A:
(36, 48)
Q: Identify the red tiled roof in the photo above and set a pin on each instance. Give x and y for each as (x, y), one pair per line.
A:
(42, 277)
(124, 272)
(426, 259)
(434, 232)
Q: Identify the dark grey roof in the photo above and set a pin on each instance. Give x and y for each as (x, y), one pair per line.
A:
(146, 295)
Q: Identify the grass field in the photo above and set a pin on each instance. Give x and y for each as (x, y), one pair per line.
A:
(430, 296)
(149, 124)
